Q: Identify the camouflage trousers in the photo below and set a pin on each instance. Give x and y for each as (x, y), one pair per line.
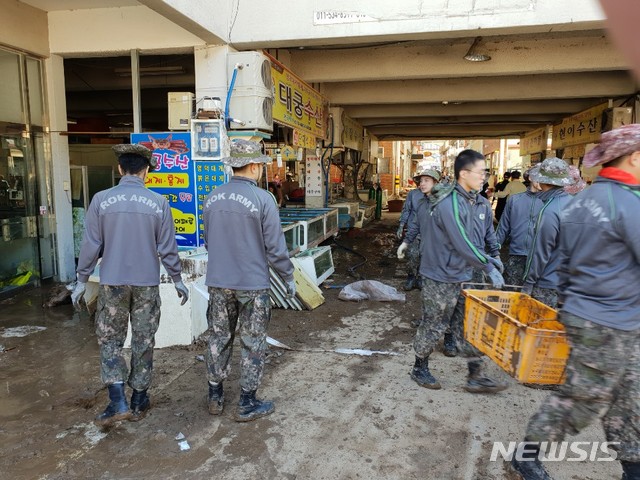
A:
(456, 324)
(116, 305)
(603, 382)
(413, 257)
(442, 308)
(548, 296)
(514, 269)
(251, 309)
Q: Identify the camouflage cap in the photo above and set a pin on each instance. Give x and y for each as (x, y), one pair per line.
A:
(426, 172)
(135, 149)
(552, 171)
(614, 144)
(244, 152)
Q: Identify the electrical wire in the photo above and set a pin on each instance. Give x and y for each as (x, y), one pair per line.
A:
(352, 269)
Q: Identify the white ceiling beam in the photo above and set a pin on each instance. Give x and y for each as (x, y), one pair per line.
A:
(509, 56)
(531, 87)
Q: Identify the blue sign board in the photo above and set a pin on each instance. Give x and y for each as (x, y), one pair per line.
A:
(209, 175)
(175, 180)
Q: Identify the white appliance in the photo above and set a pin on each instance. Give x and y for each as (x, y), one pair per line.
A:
(252, 96)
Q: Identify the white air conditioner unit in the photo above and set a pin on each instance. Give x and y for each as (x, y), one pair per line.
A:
(252, 96)
(256, 111)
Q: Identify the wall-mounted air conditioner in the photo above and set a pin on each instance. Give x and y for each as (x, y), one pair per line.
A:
(252, 96)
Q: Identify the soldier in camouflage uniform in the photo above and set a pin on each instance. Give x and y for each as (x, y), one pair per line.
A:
(243, 236)
(129, 226)
(425, 179)
(540, 275)
(454, 215)
(598, 278)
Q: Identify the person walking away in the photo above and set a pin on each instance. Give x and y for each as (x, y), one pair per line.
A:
(501, 202)
(540, 274)
(514, 186)
(425, 179)
(447, 258)
(517, 225)
(130, 227)
(243, 236)
(599, 274)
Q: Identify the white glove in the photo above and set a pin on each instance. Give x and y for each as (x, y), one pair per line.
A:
(498, 264)
(401, 249)
(183, 292)
(496, 279)
(400, 231)
(78, 293)
(291, 288)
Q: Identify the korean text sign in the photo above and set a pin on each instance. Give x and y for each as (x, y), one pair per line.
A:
(174, 179)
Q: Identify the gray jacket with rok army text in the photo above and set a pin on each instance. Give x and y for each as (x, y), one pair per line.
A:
(129, 226)
(599, 267)
(544, 257)
(243, 235)
(518, 222)
(448, 233)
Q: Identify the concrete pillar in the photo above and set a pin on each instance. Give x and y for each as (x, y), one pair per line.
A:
(57, 105)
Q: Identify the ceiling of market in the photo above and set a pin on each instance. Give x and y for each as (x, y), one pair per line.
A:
(410, 89)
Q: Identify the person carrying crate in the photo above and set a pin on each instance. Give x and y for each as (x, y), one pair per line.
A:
(456, 214)
(599, 298)
(540, 274)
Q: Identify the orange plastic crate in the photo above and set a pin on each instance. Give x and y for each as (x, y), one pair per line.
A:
(519, 333)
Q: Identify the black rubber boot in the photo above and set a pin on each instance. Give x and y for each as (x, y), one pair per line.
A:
(422, 376)
(250, 408)
(631, 470)
(216, 399)
(530, 467)
(117, 409)
(449, 347)
(140, 405)
(418, 283)
(409, 283)
(476, 383)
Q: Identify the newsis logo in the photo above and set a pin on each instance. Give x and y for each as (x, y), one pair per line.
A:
(556, 451)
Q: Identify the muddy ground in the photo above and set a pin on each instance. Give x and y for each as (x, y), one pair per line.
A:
(337, 416)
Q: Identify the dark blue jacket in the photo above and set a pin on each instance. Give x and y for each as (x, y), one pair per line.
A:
(410, 207)
(544, 257)
(518, 222)
(599, 272)
(449, 230)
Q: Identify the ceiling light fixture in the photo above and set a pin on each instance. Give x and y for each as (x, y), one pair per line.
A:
(473, 55)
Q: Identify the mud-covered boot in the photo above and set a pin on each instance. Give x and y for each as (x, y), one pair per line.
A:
(140, 405)
(529, 467)
(409, 282)
(422, 376)
(476, 383)
(449, 347)
(250, 408)
(216, 398)
(117, 409)
(418, 282)
(631, 470)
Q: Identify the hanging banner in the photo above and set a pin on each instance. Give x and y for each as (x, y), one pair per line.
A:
(297, 104)
(174, 179)
(303, 139)
(581, 128)
(352, 133)
(534, 142)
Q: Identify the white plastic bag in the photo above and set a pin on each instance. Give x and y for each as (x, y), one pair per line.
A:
(370, 290)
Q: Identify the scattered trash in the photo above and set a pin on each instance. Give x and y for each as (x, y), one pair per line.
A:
(2, 348)
(62, 435)
(200, 358)
(58, 295)
(22, 331)
(182, 442)
(370, 290)
(178, 414)
(346, 351)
